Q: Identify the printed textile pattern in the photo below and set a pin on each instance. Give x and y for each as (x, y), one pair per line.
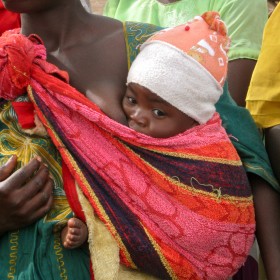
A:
(42, 237)
(180, 208)
(14, 254)
(136, 35)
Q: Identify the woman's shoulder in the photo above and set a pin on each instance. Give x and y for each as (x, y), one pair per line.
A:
(106, 26)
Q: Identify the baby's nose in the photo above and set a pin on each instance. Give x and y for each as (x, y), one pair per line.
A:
(140, 117)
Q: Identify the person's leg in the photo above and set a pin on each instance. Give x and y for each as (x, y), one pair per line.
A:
(74, 234)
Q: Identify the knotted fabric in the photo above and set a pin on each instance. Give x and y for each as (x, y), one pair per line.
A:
(179, 208)
(21, 60)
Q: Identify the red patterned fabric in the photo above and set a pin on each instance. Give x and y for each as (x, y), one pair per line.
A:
(25, 114)
(20, 59)
(8, 20)
(179, 208)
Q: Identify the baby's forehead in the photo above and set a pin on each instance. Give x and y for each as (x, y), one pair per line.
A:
(154, 98)
(146, 93)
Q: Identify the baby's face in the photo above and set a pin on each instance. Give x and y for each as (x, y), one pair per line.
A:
(151, 115)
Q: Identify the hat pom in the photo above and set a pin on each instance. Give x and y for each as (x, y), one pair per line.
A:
(215, 23)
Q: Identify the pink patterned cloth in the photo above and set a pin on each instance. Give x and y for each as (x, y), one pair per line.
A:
(179, 208)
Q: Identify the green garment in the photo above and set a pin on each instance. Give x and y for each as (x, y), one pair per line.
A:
(36, 252)
(245, 19)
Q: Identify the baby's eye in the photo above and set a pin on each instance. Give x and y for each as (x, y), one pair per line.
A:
(131, 100)
(158, 113)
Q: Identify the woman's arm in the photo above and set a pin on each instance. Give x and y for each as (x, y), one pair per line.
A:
(239, 76)
(272, 144)
(267, 210)
(245, 20)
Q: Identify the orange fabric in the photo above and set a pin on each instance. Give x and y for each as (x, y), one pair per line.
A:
(204, 39)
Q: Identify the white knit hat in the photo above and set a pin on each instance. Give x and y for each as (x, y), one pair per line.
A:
(186, 65)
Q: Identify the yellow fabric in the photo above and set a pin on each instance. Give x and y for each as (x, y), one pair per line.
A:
(104, 250)
(263, 98)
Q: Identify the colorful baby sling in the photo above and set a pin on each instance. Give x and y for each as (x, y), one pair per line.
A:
(179, 208)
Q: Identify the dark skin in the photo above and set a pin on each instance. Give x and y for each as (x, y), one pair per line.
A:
(103, 81)
(94, 66)
(272, 140)
(82, 44)
(23, 200)
(269, 200)
(149, 114)
(266, 203)
(239, 76)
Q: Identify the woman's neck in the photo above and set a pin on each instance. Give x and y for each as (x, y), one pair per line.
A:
(58, 26)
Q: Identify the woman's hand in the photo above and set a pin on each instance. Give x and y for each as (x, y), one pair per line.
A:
(25, 195)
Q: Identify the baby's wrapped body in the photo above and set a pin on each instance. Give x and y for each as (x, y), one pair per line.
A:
(179, 207)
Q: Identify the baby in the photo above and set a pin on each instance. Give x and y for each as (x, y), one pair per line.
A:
(172, 86)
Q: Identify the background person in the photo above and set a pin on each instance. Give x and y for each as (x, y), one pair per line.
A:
(263, 101)
(245, 21)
